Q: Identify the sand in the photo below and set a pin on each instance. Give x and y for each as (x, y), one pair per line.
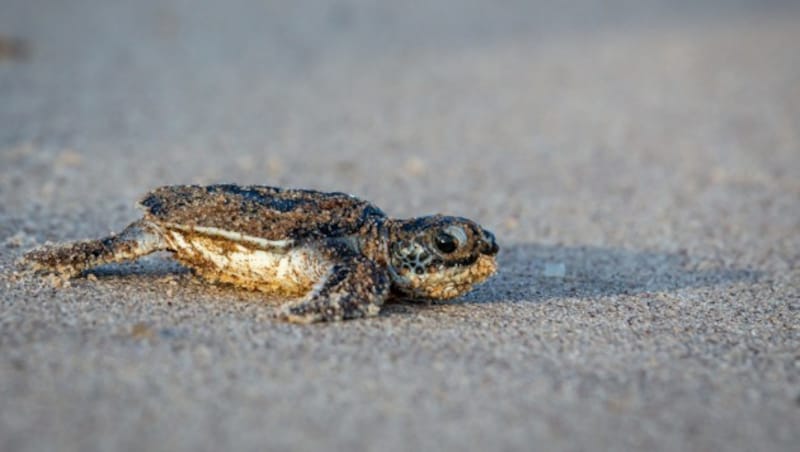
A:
(639, 163)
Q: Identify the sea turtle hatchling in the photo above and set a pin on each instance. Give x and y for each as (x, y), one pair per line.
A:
(339, 256)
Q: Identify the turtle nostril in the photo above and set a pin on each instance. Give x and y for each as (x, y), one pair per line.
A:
(489, 244)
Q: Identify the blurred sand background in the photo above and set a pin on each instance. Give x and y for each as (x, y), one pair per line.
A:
(639, 162)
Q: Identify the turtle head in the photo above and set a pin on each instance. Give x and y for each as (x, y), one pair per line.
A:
(439, 257)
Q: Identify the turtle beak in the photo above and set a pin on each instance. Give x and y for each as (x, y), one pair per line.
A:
(489, 244)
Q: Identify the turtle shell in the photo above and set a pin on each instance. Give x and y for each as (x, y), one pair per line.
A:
(269, 213)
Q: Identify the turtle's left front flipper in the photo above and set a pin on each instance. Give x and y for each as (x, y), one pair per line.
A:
(71, 259)
(355, 287)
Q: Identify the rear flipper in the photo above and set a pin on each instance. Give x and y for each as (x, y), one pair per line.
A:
(70, 259)
(355, 287)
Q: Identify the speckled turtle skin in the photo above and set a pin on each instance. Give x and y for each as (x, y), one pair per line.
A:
(338, 257)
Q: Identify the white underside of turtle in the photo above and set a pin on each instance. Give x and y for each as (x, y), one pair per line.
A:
(271, 266)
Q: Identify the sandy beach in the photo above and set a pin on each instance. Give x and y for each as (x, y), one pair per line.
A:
(639, 163)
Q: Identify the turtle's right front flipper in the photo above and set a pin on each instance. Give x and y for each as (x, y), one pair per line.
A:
(71, 259)
(355, 287)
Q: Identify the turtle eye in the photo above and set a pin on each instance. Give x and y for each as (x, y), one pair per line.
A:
(446, 243)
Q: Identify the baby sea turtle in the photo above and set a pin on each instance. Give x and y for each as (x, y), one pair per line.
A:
(341, 256)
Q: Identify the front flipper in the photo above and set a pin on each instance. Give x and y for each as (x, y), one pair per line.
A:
(355, 287)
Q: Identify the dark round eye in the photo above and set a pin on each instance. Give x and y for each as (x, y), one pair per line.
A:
(446, 242)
